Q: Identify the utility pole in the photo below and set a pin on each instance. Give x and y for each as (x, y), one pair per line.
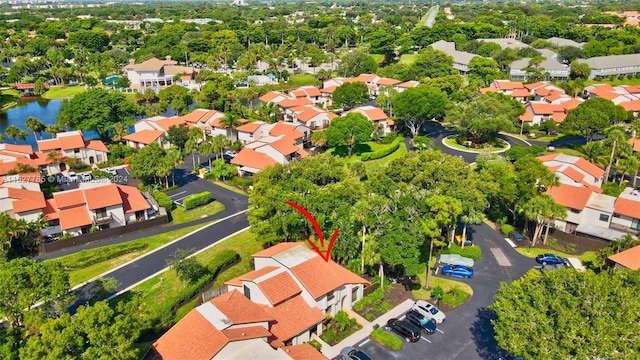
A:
(613, 150)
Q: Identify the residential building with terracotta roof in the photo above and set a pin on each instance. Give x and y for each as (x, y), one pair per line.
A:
(628, 259)
(378, 117)
(313, 117)
(406, 85)
(537, 112)
(589, 211)
(619, 95)
(632, 18)
(70, 144)
(270, 144)
(155, 73)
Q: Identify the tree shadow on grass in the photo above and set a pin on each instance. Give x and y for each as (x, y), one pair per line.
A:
(359, 149)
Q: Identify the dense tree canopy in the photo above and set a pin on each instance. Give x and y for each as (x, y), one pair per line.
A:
(351, 94)
(568, 314)
(349, 130)
(417, 105)
(592, 117)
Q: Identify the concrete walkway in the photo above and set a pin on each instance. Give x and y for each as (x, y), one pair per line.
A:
(397, 312)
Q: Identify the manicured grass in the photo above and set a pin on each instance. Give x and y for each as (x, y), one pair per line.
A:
(63, 92)
(81, 275)
(371, 165)
(303, 79)
(446, 285)
(180, 215)
(587, 256)
(615, 82)
(230, 187)
(8, 98)
(375, 165)
(407, 59)
(546, 138)
(377, 57)
(162, 292)
(451, 141)
(472, 252)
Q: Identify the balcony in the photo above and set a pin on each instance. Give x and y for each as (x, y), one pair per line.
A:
(102, 220)
(628, 229)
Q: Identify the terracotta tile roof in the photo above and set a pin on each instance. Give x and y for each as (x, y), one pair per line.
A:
(253, 159)
(371, 112)
(329, 89)
(246, 333)
(527, 116)
(544, 109)
(22, 149)
(388, 81)
(239, 309)
(303, 153)
(520, 93)
(633, 105)
(573, 174)
(627, 207)
(609, 95)
(49, 211)
(26, 200)
(633, 89)
(166, 123)
(284, 146)
(301, 108)
(288, 103)
(278, 248)
(507, 85)
(282, 128)
(488, 90)
(279, 288)
(251, 276)
(574, 197)
(69, 198)
(571, 104)
(198, 115)
(629, 258)
(291, 318)
(71, 141)
(74, 217)
(48, 144)
(316, 276)
(303, 352)
(635, 143)
(409, 84)
(311, 91)
(172, 69)
(193, 338)
(345, 275)
(553, 96)
(96, 145)
(308, 114)
(144, 136)
(250, 127)
(270, 96)
(7, 166)
(365, 78)
(559, 117)
(132, 199)
(589, 168)
(535, 85)
(103, 196)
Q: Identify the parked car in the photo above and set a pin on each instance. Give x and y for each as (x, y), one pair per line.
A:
(516, 236)
(351, 353)
(429, 310)
(421, 321)
(85, 177)
(457, 270)
(111, 171)
(227, 158)
(545, 259)
(404, 328)
(73, 177)
(231, 153)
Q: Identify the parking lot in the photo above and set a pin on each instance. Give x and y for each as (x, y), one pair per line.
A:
(192, 188)
(63, 182)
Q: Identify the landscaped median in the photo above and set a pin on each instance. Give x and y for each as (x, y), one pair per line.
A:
(386, 339)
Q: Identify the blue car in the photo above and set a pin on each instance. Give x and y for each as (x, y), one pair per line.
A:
(457, 270)
(545, 259)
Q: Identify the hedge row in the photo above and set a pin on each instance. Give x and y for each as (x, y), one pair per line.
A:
(196, 200)
(86, 258)
(385, 339)
(382, 152)
(240, 181)
(164, 200)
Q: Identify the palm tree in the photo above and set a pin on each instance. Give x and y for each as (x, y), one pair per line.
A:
(269, 112)
(12, 131)
(473, 217)
(53, 129)
(539, 209)
(119, 131)
(595, 153)
(174, 156)
(35, 125)
(22, 135)
(1, 138)
(206, 147)
(219, 143)
(230, 120)
(629, 164)
(55, 156)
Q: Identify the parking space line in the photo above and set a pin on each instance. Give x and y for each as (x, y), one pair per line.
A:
(182, 192)
(442, 332)
(364, 342)
(181, 198)
(425, 339)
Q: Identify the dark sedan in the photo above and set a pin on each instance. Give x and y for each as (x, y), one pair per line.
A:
(421, 321)
(405, 329)
(545, 259)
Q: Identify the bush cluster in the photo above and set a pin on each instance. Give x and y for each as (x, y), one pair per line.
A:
(506, 229)
(389, 138)
(472, 252)
(382, 152)
(196, 200)
(164, 200)
(240, 181)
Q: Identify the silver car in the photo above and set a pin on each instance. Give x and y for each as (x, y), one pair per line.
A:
(351, 353)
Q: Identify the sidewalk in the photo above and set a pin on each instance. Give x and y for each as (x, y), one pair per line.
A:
(396, 312)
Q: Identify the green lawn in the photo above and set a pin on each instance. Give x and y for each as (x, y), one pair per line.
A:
(303, 79)
(451, 141)
(180, 215)
(370, 146)
(79, 276)
(408, 59)
(162, 292)
(615, 82)
(567, 151)
(375, 165)
(546, 138)
(445, 284)
(230, 187)
(379, 58)
(63, 92)
(8, 98)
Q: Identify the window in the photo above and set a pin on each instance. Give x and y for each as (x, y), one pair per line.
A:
(575, 211)
(331, 297)
(617, 216)
(635, 224)
(604, 217)
(101, 213)
(77, 151)
(247, 292)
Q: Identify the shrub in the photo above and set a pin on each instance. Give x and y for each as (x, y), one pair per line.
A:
(196, 200)
(382, 152)
(455, 297)
(472, 252)
(240, 181)
(385, 339)
(389, 138)
(316, 344)
(164, 200)
(222, 260)
(98, 174)
(506, 229)
(81, 167)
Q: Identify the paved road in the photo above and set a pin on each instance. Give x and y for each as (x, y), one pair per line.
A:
(432, 16)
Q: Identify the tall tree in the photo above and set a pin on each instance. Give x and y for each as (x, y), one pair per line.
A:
(231, 121)
(12, 131)
(98, 110)
(592, 116)
(349, 130)
(176, 97)
(177, 136)
(357, 62)
(351, 94)
(418, 105)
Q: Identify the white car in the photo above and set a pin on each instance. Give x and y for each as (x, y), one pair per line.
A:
(429, 310)
(231, 153)
(73, 177)
(111, 171)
